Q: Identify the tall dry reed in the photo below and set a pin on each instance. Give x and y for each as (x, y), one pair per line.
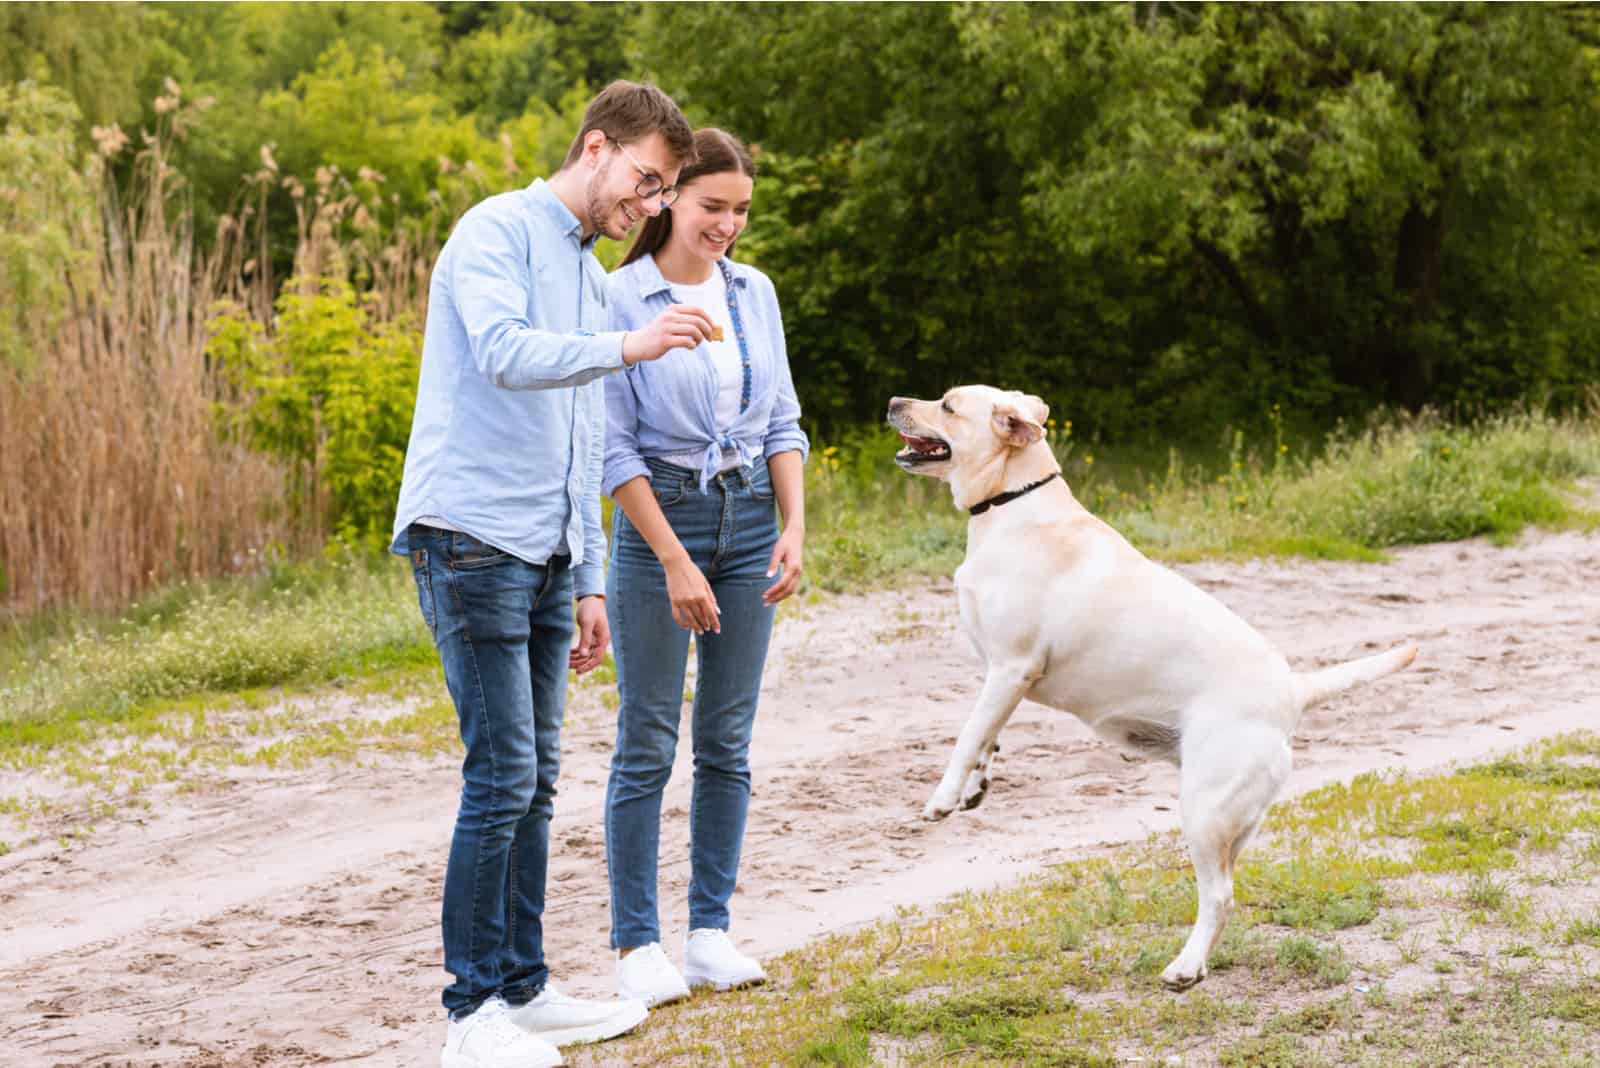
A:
(112, 477)
(116, 471)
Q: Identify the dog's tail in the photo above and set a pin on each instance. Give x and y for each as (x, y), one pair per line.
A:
(1318, 686)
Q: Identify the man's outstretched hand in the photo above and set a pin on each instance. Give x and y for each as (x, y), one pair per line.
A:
(681, 326)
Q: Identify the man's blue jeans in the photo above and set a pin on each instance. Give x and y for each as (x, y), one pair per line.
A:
(729, 532)
(503, 628)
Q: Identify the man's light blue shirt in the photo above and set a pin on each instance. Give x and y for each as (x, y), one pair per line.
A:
(668, 406)
(508, 437)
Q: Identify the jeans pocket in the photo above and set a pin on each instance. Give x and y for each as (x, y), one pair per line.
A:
(761, 484)
(424, 576)
(667, 490)
(469, 554)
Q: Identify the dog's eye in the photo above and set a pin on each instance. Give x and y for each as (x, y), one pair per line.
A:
(945, 405)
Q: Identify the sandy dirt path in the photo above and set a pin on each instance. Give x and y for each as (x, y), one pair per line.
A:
(290, 918)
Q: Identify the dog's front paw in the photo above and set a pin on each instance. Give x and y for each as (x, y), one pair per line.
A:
(1178, 977)
(936, 810)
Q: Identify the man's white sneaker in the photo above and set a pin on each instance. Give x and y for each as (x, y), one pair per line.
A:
(648, 975)
(488, 1039)
(709, 959)
(564, 1021)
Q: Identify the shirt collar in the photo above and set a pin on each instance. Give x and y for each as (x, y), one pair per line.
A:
(546, 203)
(652, 282)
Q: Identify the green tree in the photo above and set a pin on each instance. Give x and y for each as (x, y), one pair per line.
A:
(97, 53)
(1165, 215)
(889, 213)
(1396, 199)
(506, 58)
(47, 205)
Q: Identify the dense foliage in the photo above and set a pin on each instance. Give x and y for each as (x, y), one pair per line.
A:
(1162, 216)
(1166, 218)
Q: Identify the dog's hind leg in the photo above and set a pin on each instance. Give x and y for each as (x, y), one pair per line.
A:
(1228, 782)
(1003, 688)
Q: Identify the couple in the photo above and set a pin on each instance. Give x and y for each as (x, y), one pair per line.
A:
(544, 383)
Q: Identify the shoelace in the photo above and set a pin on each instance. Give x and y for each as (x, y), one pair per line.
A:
(653, 962)
(498, 1027)
(651, 956)
(717, 946)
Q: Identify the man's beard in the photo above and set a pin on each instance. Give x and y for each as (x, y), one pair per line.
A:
(594, 205)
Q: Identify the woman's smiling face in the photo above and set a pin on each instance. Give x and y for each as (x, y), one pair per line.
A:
(711, 212)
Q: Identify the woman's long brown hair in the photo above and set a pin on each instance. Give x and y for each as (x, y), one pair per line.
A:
(719, 152)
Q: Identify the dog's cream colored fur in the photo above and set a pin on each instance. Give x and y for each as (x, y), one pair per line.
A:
(1063, 611)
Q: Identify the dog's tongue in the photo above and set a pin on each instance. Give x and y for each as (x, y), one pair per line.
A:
(919, 444)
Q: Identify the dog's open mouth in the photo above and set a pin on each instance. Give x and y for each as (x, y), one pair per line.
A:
(920, 450)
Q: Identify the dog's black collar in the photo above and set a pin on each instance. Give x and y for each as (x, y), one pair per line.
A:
(1001, 498)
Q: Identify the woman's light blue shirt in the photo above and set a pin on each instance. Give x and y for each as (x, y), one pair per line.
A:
(661, 407)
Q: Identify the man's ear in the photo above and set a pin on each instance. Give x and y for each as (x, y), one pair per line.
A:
(1014, 428)
(593, 142)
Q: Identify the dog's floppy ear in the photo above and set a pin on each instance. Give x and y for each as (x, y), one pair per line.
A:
(1014, 428)
(1041, 410)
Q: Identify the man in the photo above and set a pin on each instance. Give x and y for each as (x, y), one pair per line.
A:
(500, 514)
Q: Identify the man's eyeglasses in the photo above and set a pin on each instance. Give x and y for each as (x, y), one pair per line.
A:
(650, 184)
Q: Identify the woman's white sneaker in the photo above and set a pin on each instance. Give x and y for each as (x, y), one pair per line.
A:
(489, 1039)
(564, 1021)
(647, 974)
(709, 959)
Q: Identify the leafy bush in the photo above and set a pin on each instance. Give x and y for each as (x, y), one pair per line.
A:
(331, 391)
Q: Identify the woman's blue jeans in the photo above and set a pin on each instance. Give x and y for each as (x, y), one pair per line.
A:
(729, 532)
(503, 628)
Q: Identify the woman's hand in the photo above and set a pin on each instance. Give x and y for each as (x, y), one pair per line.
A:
(694, 606)
(787, 553)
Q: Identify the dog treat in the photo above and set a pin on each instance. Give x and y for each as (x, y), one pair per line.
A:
(716, 333)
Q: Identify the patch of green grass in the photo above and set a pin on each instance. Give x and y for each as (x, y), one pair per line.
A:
(1546, 772)
(1506, 1021)
(1478, 819)
(1306, 956)
(1327, 892)
(1402, 480)
(845, 1047)
(342, 620)
(1586, 931)
(1278, 1050)
(998, 1019)
(1484, 891)
(1061, 970)
(1575, 1004)
(1314, 1019)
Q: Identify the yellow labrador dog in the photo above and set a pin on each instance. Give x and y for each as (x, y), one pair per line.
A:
(1065, 612)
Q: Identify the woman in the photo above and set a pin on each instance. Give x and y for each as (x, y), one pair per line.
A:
(698, 446)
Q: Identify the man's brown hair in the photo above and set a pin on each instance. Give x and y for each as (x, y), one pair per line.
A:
(627, 111)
